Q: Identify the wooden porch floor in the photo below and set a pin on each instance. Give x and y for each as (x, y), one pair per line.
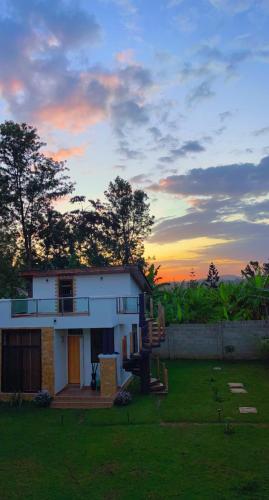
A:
(72, 396)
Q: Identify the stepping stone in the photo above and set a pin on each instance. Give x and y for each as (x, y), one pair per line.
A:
(238, 390)
(217, 368)
(235, 385)
(247, 409)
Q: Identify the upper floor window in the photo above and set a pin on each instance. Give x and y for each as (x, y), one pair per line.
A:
(66, 304)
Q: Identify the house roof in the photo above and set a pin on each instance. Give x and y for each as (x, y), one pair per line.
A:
(134, 271)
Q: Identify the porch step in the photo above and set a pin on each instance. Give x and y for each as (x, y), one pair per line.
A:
(80, 405)
(71, 397)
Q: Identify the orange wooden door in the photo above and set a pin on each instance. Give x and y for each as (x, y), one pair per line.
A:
(74, 359)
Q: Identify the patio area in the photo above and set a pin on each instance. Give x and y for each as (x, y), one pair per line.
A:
(76, 397)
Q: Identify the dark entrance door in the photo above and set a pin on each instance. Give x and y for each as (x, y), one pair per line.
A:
(102, 342)
(65, 296)
(21, 361)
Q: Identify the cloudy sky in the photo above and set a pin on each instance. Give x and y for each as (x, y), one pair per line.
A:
(171, 95)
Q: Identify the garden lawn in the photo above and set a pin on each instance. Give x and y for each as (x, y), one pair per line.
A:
(157, 448)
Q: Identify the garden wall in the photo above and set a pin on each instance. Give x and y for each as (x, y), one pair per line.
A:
(212, 341)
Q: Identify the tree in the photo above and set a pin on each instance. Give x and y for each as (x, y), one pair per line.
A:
(252, 269)
(113, 232)
(9, 278)
(90, 227)
(128, 222)
(212, 280)
(56, 242)
(152, 272)
(29, 182)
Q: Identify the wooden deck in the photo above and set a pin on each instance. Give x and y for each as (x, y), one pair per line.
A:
(72, 396)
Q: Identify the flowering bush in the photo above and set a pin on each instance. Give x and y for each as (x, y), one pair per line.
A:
(123, 398)
(42, 399)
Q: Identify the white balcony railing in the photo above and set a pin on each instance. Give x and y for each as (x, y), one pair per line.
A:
(73, 306)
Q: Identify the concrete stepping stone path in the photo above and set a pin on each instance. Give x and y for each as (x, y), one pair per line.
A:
(238, 390)
(236, 385)
(247, 409)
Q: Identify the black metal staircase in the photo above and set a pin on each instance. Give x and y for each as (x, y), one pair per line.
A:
(153, 333)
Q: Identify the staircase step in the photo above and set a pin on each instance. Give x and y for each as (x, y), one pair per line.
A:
(81, 399)
(81, 404)
(158, 388)
(154, 381)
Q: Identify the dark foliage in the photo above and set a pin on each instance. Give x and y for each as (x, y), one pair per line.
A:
(212, 280)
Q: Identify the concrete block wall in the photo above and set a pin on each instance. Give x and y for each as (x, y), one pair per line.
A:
(211, 341)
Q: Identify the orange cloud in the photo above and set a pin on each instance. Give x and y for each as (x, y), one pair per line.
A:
(64, 153)
(73, 115)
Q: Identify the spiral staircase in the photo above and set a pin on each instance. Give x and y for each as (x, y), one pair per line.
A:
(139, 364)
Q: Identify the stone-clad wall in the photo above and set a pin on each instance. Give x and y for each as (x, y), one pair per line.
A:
(198, 341)
(108, 374)
(47, 355)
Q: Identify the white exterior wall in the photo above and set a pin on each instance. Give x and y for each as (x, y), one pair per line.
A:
(44, 288)
(134, 288)
(108, 285)
(111, 285)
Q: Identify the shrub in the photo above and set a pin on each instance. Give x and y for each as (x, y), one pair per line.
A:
(42, 399)
(123, 398)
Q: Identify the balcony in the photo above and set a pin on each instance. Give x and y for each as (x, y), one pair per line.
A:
(128, 305)
(73, 306)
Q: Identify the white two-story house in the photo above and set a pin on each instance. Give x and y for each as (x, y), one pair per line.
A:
(75, 328)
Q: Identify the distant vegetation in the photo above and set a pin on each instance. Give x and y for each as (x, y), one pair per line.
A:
(213, 300)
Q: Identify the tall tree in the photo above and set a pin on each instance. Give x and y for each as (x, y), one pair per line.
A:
(9, 278)
(128, 222)
(89, 228)
(112, 231)
(33, 182)
(212, 280)
(56, 241)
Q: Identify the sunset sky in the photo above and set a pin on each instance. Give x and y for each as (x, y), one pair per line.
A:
(169, 94)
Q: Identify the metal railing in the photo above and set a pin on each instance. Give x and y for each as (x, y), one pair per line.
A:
(45, 307)
(128, 305)
(71, 306)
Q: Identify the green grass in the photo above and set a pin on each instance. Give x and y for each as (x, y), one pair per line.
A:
(157, 448)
